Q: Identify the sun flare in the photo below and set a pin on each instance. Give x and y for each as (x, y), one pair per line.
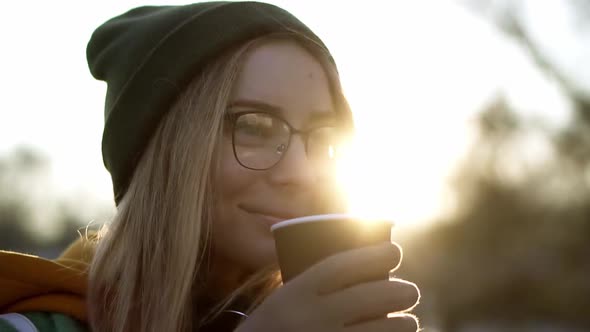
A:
(378, 186)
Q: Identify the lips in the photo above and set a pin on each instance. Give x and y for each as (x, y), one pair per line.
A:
(267, 216)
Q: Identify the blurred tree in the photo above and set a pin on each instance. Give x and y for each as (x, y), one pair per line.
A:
(24, 187)
(17, 171)
(517, 249)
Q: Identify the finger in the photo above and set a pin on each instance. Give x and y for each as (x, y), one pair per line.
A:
(372, 300)
(398, 323)
(353, 267)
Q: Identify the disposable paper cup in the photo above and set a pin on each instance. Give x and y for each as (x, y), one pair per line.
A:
(303, 242)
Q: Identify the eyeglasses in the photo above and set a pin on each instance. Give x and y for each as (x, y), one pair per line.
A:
(260, 139)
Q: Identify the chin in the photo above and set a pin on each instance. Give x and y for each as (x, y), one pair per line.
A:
(244, 244)
(260, 255)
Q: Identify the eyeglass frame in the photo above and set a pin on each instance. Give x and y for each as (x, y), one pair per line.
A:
(233, 117)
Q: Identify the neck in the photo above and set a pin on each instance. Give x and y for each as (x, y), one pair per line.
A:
(224, 276)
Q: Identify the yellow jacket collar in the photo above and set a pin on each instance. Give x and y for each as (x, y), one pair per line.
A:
(32, 283)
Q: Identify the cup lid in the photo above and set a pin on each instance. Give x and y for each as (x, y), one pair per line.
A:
(321, 217)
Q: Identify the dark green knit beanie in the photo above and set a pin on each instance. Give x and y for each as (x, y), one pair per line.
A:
(149, 54)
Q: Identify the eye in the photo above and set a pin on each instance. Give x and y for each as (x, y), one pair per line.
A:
(259, 129)
(254, 128)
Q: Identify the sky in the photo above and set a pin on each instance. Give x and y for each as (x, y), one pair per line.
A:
(415, 73)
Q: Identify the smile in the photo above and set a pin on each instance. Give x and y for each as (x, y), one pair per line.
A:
(266, 218)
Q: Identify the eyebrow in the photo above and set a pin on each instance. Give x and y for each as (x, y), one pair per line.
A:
(315, 116)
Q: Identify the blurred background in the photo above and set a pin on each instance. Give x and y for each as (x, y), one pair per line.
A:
(473, 124)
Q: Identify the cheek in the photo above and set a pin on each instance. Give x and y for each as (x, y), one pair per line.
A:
(232, 180)
(235, 240)
(329, 197)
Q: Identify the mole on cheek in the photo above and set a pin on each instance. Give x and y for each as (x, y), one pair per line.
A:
(310, 75)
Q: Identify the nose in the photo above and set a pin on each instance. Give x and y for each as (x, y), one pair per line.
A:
(294, 170)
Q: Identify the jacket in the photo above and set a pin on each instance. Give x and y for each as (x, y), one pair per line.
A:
(41, 295)
(38, 294)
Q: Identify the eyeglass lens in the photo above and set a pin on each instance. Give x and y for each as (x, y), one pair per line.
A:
(260, 140)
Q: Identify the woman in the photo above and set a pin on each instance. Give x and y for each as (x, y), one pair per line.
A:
(221, 119)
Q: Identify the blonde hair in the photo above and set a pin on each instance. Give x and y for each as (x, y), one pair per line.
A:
(150, 261)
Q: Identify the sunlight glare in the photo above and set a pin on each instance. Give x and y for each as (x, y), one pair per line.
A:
(412, 112)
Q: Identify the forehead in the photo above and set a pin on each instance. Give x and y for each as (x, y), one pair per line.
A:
(285, 75)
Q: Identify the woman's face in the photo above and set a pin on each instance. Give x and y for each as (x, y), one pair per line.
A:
(281, 78)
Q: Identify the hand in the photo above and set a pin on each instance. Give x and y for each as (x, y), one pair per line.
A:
(341, 294)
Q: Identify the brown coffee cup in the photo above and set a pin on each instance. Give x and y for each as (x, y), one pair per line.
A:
(303, 242)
